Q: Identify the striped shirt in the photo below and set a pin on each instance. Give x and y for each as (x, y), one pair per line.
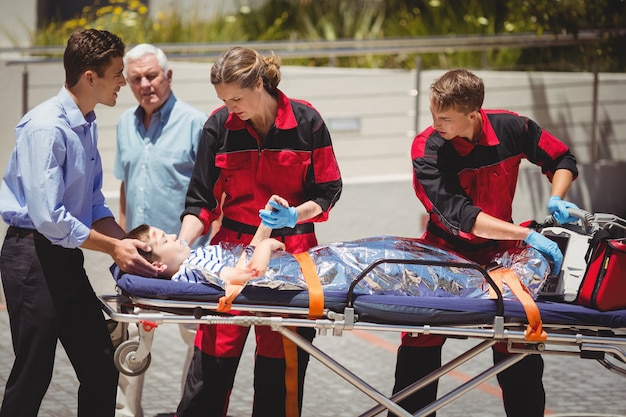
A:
(203, 265)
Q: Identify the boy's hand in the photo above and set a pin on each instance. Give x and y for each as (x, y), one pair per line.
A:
(279, 217)
(277, 199)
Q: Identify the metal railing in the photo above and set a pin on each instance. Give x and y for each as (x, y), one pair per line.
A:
(345, 48)
(350, 47)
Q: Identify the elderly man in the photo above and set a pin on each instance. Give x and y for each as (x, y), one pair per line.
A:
(157, 142)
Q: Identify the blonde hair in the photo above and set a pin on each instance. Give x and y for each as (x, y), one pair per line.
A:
(244, 67)
(458, 89)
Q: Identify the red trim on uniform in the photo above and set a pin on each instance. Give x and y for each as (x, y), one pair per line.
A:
(419, 144)
(206, 218)
(325, 165)
(551, 145)
(285, 119)
(234, 122)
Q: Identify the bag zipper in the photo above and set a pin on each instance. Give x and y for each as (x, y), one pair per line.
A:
(604, 267)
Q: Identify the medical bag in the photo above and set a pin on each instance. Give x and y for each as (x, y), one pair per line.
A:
(593, 272)
(604, 284)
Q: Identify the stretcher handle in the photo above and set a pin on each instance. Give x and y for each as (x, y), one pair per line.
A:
(591, 223)
(499, 301)
(586, 219)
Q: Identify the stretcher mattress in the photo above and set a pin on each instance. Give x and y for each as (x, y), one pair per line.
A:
(163, 289)
(378, 308)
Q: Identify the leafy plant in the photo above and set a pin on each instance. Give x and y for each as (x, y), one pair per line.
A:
(319, 20)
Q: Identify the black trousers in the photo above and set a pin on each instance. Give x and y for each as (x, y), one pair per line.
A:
(205, 395)
(50, 298)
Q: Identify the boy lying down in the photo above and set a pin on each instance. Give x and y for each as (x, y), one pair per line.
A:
(265, 263)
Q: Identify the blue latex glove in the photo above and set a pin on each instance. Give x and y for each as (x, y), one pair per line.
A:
(547, 248)
(558, 210)
(279, 217)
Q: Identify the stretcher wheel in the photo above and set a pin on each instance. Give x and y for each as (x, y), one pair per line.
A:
(125, 362)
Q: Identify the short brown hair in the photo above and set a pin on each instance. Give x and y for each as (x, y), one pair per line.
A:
(90, 49)
(458, 89)
(141, 232)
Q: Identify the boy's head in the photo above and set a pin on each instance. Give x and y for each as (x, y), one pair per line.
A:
(455, 102)
(459, 90)
(168, 253)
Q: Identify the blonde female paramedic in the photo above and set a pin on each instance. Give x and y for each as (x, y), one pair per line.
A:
(259, 143)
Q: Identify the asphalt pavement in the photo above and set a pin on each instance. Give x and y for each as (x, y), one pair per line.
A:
(574, 386)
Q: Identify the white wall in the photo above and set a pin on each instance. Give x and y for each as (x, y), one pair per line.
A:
(17, 21)
(380, 104)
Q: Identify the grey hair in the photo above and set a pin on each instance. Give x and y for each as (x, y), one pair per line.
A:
(142, 50)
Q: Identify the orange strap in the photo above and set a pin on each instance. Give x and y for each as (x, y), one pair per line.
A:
(316, 293)
(231, 292)
(534, 331)
(292, 386)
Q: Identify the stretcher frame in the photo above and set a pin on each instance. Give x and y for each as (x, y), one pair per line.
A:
(606, 344)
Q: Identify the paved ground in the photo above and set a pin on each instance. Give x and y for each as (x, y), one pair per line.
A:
(574, 387)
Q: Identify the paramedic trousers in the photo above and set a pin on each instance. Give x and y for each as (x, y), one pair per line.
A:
(50, 298)
(279, 371)
(279, 366)
(521, 384)
(522, 387)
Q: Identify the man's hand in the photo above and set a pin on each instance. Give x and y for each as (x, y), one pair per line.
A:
(558, 209)
(129, 260)
(279, 216)
(547, 247)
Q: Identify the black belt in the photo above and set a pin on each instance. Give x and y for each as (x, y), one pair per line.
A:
(299, 229)
(20, 232)
(457, 242)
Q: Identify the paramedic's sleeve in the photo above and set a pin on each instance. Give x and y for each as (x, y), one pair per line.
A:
(200, 200)
(545, 150)
(439, 191)
(323, 178)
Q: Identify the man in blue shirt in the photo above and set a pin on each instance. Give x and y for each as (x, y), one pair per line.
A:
(52, 200)
(157, 143)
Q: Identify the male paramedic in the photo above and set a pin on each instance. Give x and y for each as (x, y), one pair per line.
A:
(465, 169)
(51, 199)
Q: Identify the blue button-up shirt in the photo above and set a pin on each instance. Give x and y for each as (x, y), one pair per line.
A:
(53, 182)
(155, 164)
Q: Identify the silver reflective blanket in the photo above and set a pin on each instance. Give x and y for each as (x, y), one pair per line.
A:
(339, 263)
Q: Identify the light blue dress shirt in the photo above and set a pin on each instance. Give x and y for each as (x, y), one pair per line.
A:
(53, 180)
(156, 164)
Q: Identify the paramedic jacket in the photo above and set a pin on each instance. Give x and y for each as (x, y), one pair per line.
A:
(295, 161)
(456, 179)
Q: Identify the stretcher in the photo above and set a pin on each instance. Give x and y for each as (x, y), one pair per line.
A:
(568, 328)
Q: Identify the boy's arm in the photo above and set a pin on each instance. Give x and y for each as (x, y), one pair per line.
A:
(261, 257)
(238, 276)
(262, 233)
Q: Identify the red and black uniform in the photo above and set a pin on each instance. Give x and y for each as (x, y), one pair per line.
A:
(457, 179)
(296, 161)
